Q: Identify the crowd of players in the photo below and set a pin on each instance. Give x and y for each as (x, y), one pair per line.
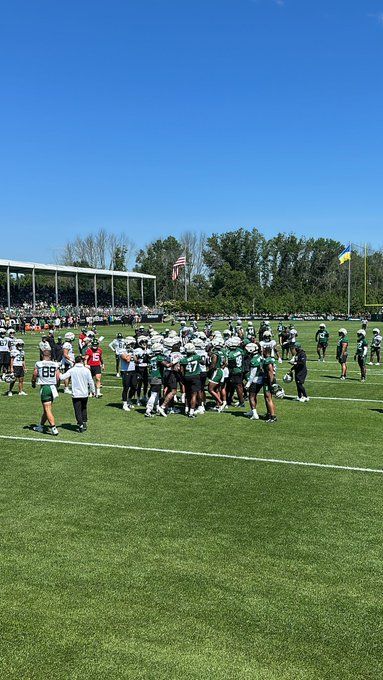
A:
(177, 371)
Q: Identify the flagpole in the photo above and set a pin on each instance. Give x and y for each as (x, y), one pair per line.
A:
(349, 286)
(186, 285)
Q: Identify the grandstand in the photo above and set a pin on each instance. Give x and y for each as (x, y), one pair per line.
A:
(11, 267)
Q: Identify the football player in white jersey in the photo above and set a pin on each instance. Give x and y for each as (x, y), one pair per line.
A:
(47, 375)
(376, 346)
(68, 357)
(18, 368)
(5, 356)
(117, 345)
(271, 344)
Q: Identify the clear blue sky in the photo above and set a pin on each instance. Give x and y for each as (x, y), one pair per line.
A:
(156, 116)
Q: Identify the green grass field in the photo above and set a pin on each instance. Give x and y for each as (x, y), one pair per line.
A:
(131, 563)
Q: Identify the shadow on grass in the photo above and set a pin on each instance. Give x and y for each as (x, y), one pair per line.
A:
(336, 377)
(377, 410)
(69, 426)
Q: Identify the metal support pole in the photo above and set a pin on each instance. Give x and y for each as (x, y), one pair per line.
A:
(112, 286)
(9, 289)
(142, 292)
(128, 291)
(57, 288)
(95, 290)
(155, 292)
(76, 286)
(33, 289)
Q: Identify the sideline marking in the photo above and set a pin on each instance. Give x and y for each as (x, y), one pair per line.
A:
(192, 453)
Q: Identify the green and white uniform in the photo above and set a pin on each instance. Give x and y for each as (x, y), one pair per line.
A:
(340, 342)
(192, 365)
(46, 378)
(361, 350)
(265, 373)
(322, 338)
(235, 361)
(217, 376)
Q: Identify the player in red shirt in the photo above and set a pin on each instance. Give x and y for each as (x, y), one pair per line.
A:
(93, 359)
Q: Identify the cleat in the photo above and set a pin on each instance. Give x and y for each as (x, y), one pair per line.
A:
(149, 414)
(273, 419)
(54, 431)
(162, 412)
(23, 394)
(67, 390)
(125, 407)
(38, 428)
(192, 415)
(81, 428)
(85, 427)
(9, 394)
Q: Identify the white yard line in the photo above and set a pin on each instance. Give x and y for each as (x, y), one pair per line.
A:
(49, 440)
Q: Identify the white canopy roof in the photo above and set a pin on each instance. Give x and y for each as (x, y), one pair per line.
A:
(15, 266)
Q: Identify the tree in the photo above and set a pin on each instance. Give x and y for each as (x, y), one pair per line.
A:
(98, 250)
(157, 258)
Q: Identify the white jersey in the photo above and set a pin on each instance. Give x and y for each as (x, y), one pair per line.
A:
(293, 334)
(69, 347)
(46, 372)
(376, 341)
(18, 357)
(141, 356)
(4, 347)
(203, 365)
(270, 344)
(117, 344)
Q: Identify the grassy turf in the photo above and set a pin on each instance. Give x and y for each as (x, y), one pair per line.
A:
(133, 564)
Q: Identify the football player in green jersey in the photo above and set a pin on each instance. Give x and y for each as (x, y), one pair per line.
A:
(216, 375)
(255, 380)
(361, 353)
(321, 338)
(191, 371)
(268, 369)
(157, 363)
(342, 351)
(235, 361)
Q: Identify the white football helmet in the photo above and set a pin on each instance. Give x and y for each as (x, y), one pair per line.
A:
(342, 331)
(361, 332)
(251, 348)
(376, 331)
(189, 348)
(129, 340)
(156, 348)
(70, 337)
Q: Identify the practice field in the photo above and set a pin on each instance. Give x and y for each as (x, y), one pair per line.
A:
(126, 555)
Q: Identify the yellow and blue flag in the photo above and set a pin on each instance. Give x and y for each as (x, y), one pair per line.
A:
(345, 254)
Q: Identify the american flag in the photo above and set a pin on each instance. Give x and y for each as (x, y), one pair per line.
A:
(181, 262)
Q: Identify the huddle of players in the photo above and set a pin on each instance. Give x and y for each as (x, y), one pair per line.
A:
(342, 349)
(227, 364)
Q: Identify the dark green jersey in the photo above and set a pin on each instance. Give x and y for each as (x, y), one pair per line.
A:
(156, 367)
(235, 361)
(265, 367)
(221, 359)
(339, 346)
(361, 348)
(322, 337)
(192, 365)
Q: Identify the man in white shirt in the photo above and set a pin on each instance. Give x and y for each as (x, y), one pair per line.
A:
(82, 386)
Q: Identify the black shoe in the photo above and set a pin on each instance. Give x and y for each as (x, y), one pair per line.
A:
(81, 428)
(272, 419)
(85, 427)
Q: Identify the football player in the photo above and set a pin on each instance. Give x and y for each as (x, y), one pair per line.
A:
(361, 353)
(18, 367)
(255, 380)
(268, 374)
(235, 361)
(321, 338)
(128, 362)
(157, 364)
(67, 357)
(46, 374)
(141, 357)
(191, 372)
(115, 345)
(376, 346)
(5, 355)
(271, 344)
(342, 351)
(216, 380)
(94, 360)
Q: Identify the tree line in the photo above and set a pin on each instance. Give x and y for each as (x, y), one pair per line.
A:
(239, 271)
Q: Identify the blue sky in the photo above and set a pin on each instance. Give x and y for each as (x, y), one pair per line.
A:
(156, 116)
